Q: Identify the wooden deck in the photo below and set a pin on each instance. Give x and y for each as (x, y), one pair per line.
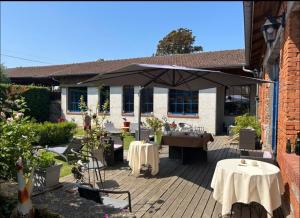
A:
(178, 190)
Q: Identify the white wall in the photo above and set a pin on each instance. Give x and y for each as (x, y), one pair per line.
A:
(207, 107)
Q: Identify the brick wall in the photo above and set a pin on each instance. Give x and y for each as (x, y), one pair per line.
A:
(288, 109)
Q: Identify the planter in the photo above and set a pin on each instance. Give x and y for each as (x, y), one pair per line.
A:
(126, 124)
(46, 178)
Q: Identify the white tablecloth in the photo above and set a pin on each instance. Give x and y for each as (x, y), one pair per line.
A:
(143, 153)
(233, 182)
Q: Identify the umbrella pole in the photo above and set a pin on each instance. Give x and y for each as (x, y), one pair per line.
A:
(139, 114)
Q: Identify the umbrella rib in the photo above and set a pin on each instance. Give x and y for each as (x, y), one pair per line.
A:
(180, 79)
(206, 78)
(158, 80)
(155, 78)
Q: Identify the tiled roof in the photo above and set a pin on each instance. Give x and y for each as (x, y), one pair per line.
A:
(210, 60)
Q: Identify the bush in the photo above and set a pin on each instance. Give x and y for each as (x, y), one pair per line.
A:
(45, 159)
(37, 99)
(245, 121)
(52, 134)
(16, 138)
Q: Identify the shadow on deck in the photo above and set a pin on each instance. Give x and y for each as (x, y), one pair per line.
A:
(178, 190)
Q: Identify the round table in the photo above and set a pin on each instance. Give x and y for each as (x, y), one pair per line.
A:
(236, 182)
(140, 153)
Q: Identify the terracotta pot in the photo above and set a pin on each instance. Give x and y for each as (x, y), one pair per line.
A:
(126, 124)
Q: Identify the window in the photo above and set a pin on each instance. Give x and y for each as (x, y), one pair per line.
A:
(104, 93)
(74, 95)
(237, 101)
(183, 102)
(128, 99)
(147, 100)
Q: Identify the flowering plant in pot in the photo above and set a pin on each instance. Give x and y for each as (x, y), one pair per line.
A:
(155, 124)
(126, 123)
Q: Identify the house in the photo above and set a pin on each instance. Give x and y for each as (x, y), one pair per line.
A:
(278, 59)
(212, 108)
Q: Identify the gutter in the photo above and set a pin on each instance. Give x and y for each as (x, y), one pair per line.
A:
(248, 8)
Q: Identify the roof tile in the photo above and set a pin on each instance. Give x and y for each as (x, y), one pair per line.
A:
(209, 60)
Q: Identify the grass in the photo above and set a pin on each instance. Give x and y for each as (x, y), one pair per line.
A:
(79, 132)
(127, 140)
(66, 168)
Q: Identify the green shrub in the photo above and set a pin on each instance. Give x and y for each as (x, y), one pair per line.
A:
(45, 159)
(52, 134)
(37, 99)
(245, 121)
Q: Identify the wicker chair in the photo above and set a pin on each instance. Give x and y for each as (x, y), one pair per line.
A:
(247, 139)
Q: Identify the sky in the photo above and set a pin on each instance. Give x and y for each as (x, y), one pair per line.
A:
(46, 33)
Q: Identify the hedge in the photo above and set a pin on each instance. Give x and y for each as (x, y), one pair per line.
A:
(37, 99)
(52, 134)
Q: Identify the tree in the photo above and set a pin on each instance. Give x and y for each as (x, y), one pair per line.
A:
(178, 41)
(3, 76)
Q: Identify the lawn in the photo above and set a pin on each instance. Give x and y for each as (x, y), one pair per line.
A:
(66, 168)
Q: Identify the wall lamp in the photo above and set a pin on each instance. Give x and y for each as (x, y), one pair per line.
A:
(271, 26)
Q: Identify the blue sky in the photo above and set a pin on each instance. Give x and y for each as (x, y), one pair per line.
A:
(69, 32)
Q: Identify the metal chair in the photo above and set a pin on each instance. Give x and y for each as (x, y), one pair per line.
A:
(118, 151)
(93, 160)
(146, 134)
(64, 151)
(109, 127)
(93, 194)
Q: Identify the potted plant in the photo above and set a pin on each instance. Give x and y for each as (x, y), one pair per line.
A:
(126, 123)
(155, 124)
(47, 171)
(95, 136)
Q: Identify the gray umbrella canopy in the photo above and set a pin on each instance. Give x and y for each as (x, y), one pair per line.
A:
(167, 76)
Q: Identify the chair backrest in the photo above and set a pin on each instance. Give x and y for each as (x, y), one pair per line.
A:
(145, 133)
(98, 154)
(247, 138)
(116, 138)
(133, 127)
(75, 145)
(90, 193)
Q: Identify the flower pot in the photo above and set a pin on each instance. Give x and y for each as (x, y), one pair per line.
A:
(47, 177)
(126, 124)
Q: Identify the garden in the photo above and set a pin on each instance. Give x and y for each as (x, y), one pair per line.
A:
(26, 136)
(23, 129)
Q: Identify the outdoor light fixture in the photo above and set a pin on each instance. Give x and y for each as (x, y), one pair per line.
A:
(271, 27)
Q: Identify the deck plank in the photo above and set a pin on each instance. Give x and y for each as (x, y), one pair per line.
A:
(178, 190)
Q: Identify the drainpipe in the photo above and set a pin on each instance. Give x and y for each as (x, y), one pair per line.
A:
(257, 75)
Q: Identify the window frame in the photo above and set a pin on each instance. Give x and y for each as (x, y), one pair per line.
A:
(191, 95)
(147, 93)
(241, 93)
(100, 99)
(125, 88)
(69, 91)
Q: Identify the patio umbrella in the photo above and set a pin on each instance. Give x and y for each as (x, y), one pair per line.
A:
(169, 76)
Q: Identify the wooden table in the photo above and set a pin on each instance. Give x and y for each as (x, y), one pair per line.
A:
(186, 147)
